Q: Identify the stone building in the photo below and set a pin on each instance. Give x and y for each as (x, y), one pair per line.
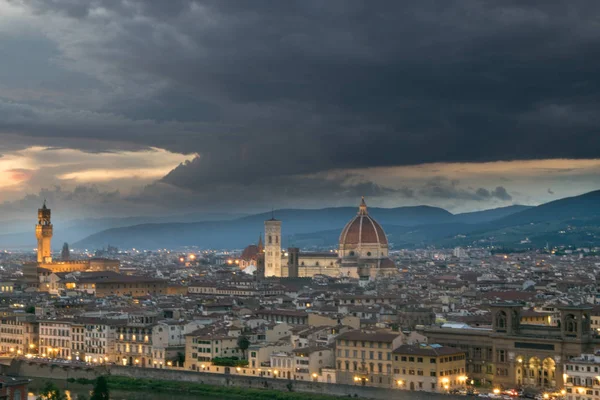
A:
(581, 377)
(411, 316)
(365, 358)
(44, 232)
(18, 334)
(516, 354)
(429, 368)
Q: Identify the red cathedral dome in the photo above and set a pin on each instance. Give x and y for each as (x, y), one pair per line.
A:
(250, 253)
(362, 230)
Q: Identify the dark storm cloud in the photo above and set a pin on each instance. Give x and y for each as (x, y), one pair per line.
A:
(442, 188)
(278, 192)
(268, 89)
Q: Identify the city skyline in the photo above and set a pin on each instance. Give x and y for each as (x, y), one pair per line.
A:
(128, 108)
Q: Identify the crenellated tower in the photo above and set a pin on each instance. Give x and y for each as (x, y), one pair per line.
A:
(43, 233)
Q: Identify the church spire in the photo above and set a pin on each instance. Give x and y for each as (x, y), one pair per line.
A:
(260, 243)
(362, 209)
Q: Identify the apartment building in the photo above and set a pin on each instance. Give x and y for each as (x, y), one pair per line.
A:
(133, 340)
(202, 348)
(168, 339)
(429, 368)
(55, 338)
(365, 358)
(18, 334)
(582, 378)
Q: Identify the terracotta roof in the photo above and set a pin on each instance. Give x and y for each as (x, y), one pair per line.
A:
(369, 336)
(362, 229)
(427, 350)
(250, 252)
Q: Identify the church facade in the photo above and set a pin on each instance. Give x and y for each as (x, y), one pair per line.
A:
(362, 252)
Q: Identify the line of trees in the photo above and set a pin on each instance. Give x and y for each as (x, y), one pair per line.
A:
(52, 392)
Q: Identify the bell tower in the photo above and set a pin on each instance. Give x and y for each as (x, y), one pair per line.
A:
(272, 247)
(43, 233)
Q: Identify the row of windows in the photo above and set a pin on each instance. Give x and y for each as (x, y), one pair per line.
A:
(364, 344)
(55, 332)
(371, 367)
(431, 360)
(420, 372)
(583, 368)
(388, 355)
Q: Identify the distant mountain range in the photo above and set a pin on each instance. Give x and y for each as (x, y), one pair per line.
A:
(569, 221)
(21, 233)
(322, 226)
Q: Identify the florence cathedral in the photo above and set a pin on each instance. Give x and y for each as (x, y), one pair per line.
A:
(362, 253)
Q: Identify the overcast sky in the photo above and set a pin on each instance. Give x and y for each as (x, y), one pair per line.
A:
(125, 107)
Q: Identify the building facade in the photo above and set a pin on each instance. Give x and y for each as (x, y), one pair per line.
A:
(514, 354)
(429, 368)
(581, 377)
(365, 358)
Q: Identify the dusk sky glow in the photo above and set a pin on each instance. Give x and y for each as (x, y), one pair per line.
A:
(130, 107)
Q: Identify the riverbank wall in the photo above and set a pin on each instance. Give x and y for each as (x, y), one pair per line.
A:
(34, 369)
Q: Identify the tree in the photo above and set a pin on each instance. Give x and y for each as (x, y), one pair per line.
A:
(51, 392)
(243, 344)
(100, 391)
(30, 310)
(65, 254)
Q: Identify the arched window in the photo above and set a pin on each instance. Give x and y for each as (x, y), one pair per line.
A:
(571, 324)
(501, 320)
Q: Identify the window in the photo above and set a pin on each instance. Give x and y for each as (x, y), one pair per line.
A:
(501, 356)
(432, 360)
(420, 359)
(403, 358)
